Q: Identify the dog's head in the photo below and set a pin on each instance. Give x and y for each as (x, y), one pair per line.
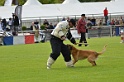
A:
(69, 46)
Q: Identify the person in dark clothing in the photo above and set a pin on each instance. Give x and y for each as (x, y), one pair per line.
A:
(50, 26)
(15, 24)
(93, 21)
(58, 35)
(4, 24)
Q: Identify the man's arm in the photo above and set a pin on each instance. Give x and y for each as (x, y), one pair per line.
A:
(69, 36)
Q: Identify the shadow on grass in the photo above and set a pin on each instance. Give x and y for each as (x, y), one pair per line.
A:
(76, 67)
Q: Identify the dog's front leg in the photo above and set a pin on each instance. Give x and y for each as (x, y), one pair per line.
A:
(74, 61)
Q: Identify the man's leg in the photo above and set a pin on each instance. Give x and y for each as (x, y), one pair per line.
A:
(1, 40)
(56, 48)
(106, 18)
(50, 61)
(84, 38)
(67, 56)
(81, 40)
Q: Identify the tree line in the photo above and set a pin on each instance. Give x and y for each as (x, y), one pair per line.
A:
(21, 2)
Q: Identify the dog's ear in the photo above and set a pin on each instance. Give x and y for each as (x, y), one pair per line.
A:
(69, 46)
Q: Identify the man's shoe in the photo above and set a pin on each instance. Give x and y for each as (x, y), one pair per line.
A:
(86, 45)
(48, 67)
(79, 45)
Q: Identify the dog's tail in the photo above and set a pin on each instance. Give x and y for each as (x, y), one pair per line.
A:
(104, 49)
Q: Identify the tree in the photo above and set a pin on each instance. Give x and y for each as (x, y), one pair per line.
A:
(93, 0)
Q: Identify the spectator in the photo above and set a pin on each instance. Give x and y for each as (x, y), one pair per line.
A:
(116, 22)
(93, 21)
(36, 23)
(1, 33)
(34, 26)
(108, 22)
(121, 22)
(4, 24)
(50, 26)
(89, 24)
(45, 22)
(81, 28)
(15, 24)
(113, 22)
(106, 15)
(10, 23)
(36, 34)
(100, 24)
(54, 26)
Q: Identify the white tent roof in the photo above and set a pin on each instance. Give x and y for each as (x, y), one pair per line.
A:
(40, 11)
(6, 11)
(32, 2)
(54, 10)
(70, 2)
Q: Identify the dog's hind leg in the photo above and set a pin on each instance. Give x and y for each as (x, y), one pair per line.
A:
(92, 61)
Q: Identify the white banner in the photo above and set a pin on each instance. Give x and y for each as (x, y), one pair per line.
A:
(8, 3)
(18, 12)
(75, 34)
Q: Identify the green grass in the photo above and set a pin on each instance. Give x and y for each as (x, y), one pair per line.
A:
(27, 63)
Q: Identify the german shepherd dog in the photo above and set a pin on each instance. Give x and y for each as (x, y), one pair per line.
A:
(90, 55)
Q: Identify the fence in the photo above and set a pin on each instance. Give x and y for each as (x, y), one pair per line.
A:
(54, 20)
(109, 31)
(106, 31)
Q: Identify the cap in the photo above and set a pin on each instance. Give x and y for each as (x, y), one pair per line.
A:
(82, 14)
(72, 21)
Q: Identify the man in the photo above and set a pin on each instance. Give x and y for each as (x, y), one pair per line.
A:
(106, 15)
(1, 33)
(58, 35)
(15, 23)
(81, 28)
(100, 24)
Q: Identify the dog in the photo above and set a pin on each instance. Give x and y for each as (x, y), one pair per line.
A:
(90, 55)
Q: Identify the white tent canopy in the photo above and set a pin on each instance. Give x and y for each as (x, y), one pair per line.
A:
(54, 10)
(32, 2)
(70, 2)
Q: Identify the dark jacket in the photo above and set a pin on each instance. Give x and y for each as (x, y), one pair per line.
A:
(16, 21)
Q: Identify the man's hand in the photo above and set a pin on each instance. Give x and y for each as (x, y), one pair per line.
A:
(63, 38)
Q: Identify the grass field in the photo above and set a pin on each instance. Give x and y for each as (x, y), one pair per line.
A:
(27, 63)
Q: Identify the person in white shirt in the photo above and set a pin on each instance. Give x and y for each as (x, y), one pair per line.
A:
(58, 35)
(10, 23)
